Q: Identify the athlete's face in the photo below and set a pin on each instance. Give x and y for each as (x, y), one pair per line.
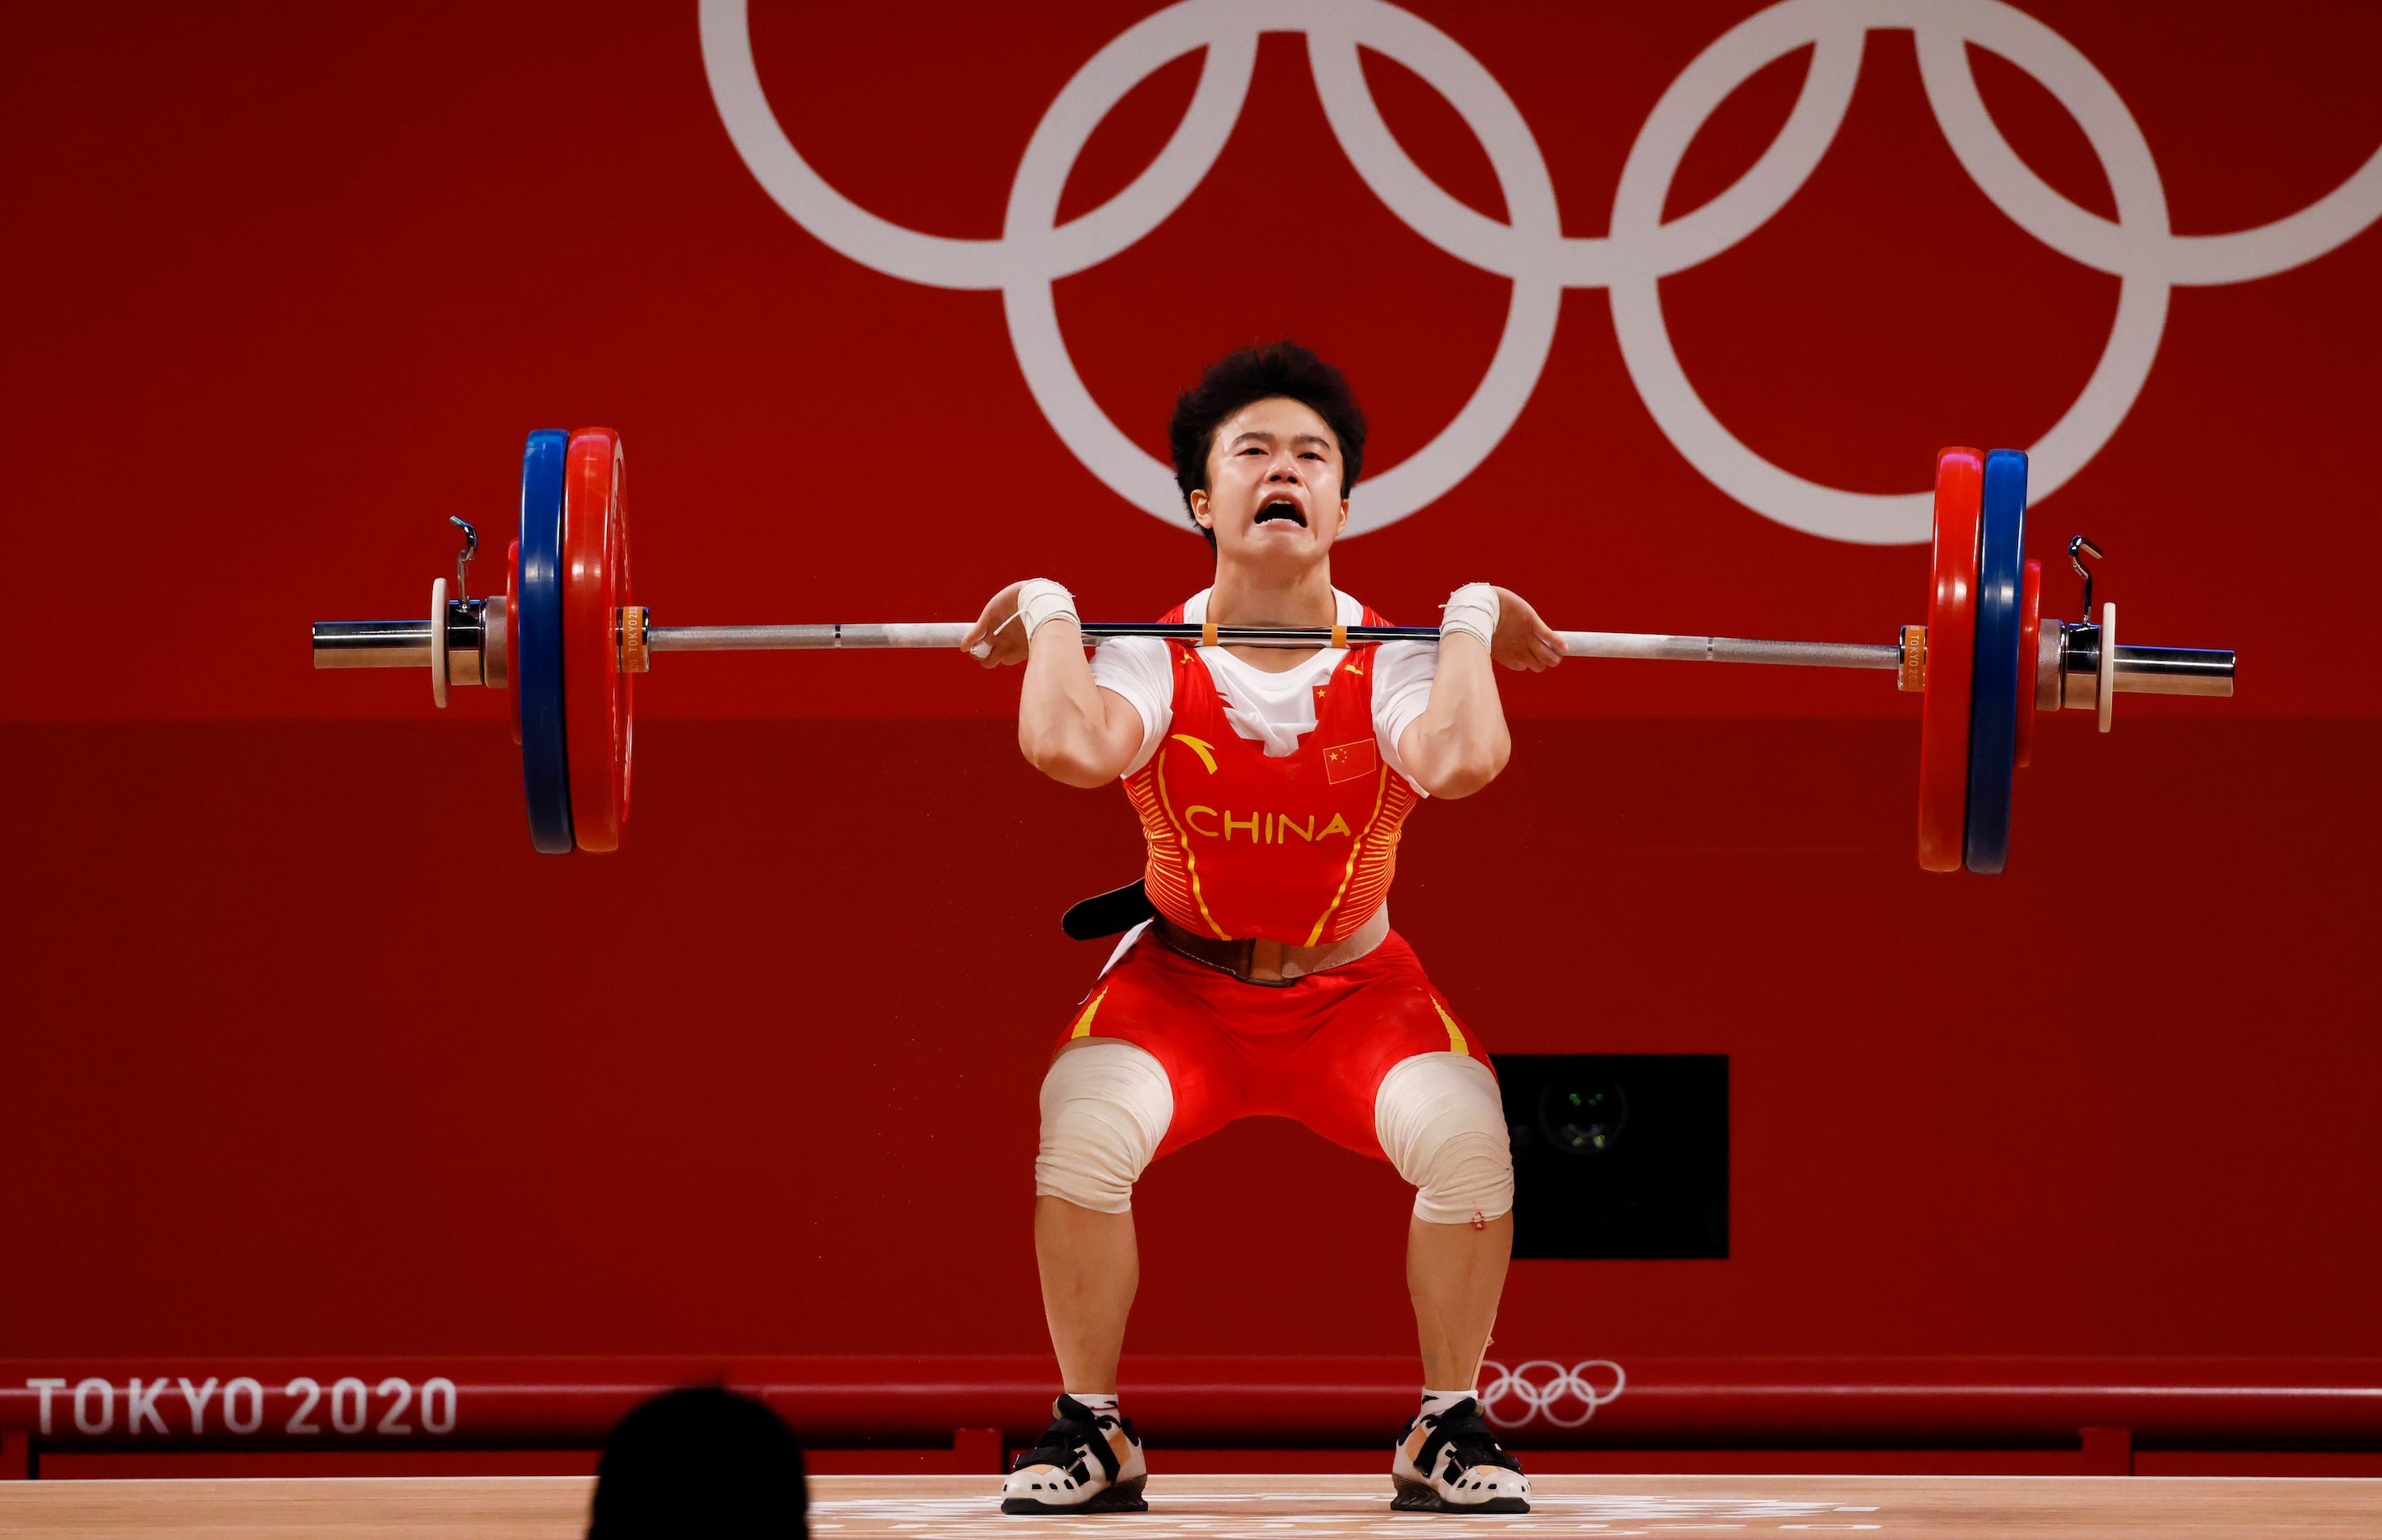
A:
(1274, 485)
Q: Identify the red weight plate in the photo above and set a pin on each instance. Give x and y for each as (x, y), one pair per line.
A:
(512, 624)
(2029, 633)
(595, 586)
(1951, 661)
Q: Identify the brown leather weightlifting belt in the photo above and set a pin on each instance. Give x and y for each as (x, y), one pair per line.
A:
(1272, 963)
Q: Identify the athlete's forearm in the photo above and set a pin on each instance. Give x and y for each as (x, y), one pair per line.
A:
(1063, 727)
(1459, 744)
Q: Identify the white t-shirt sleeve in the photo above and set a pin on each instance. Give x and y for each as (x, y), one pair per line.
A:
(1402, 676)
(1139, 668)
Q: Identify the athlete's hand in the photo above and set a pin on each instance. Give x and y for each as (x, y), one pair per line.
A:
(1523, 639)
(998, 625)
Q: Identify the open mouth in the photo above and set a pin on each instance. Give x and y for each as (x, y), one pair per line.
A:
(1281, 510)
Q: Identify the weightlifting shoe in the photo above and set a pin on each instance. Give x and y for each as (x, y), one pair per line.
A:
(1450, 1462)
(1085, 1462)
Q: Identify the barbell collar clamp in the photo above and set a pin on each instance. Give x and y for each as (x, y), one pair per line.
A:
(440, 661)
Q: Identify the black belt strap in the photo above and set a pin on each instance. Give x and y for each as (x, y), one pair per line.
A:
(1108, 913)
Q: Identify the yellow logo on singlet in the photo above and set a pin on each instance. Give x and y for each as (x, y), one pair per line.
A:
(1206, 751)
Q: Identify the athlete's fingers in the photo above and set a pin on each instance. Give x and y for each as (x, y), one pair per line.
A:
(1007, 645)
(996, 653)
(993, 640)
(1524, 640)
(1538, 650)
(980, 644)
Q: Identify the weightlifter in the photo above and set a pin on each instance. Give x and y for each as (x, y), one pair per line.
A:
(1271, 785)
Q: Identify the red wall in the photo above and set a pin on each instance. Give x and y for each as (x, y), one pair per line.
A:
(305, 1052)
(312, 1055)
(288, 286)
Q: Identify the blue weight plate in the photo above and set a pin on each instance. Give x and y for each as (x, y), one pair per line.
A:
(1999, 672)
(538, 645)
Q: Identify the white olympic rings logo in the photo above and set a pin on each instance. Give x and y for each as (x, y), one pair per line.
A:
(1033, 249)
(1541, 1395)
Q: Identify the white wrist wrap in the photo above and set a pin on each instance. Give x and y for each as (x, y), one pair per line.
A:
(1040, 600)
(1471, 610)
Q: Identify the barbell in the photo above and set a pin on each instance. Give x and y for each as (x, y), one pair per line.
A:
(567, 640)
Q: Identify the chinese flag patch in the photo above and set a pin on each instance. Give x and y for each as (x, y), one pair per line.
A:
(1351, 762)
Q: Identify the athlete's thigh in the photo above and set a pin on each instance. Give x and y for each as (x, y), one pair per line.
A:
(1159, 1003)
(1386, 1010)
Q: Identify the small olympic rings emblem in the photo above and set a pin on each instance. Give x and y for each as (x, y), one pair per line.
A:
(1530, 247)
(1546, 1390)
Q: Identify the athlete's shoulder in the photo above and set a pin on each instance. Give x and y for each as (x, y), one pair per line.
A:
(1120, 659)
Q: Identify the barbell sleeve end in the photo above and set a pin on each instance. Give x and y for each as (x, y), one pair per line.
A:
(2171, 670)
(474, 653)
(372, 644)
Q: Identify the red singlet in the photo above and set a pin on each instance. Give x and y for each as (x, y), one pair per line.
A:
(1299, 849)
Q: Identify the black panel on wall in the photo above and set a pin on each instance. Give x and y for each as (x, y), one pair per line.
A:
(1618, 1154)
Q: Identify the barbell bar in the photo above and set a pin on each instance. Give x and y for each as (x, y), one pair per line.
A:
(1996, 662)
(406, 643)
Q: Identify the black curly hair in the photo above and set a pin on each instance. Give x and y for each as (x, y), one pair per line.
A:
(1249, 374)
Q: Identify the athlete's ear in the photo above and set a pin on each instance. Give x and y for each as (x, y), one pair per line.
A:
(1199, 513)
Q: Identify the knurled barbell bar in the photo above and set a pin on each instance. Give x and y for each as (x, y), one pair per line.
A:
(567, 641)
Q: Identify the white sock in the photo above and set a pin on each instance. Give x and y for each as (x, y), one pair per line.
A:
(1097, 1403)
(1438, 1403)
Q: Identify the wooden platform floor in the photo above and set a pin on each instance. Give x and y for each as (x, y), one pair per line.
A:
(1256, 1507)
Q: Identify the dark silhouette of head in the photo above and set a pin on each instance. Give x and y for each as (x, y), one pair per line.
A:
(694, 1464)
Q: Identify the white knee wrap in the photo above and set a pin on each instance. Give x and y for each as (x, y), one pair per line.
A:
(1443, 1125)
(1106, 1108)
